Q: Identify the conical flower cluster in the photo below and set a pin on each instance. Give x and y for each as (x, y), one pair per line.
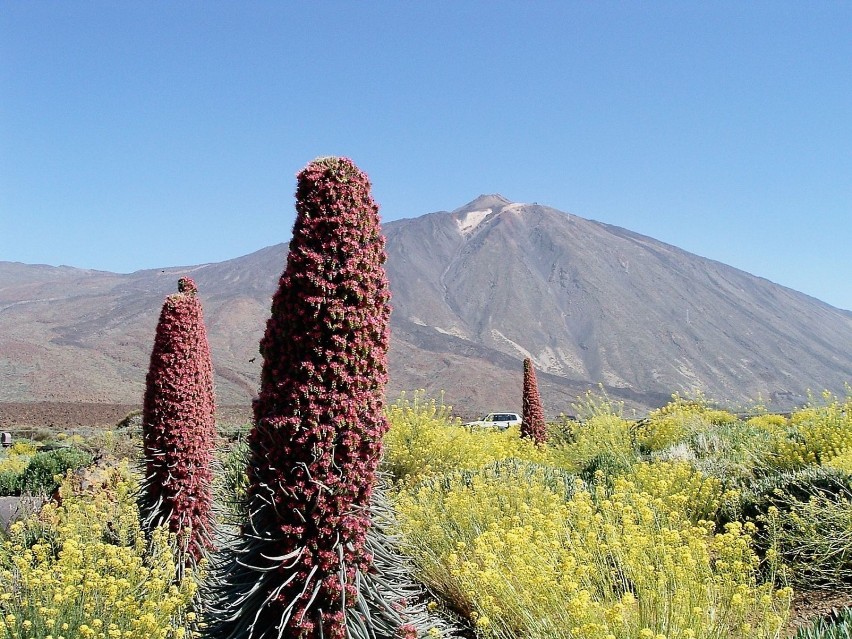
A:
(178, 424)
(319, 421)
(533, 425)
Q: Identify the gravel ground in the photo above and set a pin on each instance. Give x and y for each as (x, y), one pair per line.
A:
(30, 417)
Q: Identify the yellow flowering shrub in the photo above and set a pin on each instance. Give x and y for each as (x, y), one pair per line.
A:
(818, 433)
(680, 487)
(14, 463)
(676, 420)
(842, 462)
(521, 555)
(23, 447)
(15, 458)
(769, 422)
(600, 434)
(82, 568)
(424, 440)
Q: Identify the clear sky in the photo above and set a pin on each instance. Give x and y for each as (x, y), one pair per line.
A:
(145, 134)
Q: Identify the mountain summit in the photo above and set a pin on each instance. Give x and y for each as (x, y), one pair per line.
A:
(590, 302)
(475, 291)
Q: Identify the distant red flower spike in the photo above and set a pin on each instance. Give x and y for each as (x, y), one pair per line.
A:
(533, 425)
(178, 424)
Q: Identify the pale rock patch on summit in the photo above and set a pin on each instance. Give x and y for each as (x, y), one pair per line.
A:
(515, 207)
(471, 220)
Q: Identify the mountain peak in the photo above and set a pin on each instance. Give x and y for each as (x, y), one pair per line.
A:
(486, 201)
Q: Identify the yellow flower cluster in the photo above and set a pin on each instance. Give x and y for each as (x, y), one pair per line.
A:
(424, 440)
(681, 488)
(82, 568)
(769, 422)
(842, 462)
(15, 458)
(24, 448)
(602, 433)
(817, 434)
(521, 558)
(13, 463)
(677, 419)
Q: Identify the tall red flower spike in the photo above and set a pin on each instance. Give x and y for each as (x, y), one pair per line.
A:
(533, 425)
(319, 421)
(178, 425)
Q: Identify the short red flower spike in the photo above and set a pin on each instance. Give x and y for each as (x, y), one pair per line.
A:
(533, 426)
(178, 425)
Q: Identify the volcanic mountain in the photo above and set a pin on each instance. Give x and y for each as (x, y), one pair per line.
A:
(475, 290)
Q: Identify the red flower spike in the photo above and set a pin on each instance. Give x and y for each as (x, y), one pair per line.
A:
(533, 425)
(319, 418)
(178, 425)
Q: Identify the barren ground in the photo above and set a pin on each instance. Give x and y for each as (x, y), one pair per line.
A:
(64, 417)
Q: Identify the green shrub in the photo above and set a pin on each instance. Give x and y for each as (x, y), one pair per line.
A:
(11, 482)
(677, 420)
(785, 490)
(44, 466)
(836, 626)
(811, 543)
(736, 452)
(605, 435)
(13, 463)
(603, 468)
(804, 525)
(562, 431)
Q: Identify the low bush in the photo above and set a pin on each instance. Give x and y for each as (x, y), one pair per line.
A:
(681, 488)
(562, 431)
(83, 568)
(784, 490)
(677, 420)
(11, 482)
(12, 469)
(605, 436)
(43, 468)
(818, 433)
(13, 463)
(425, 440)
(524, 550)
(804, 525)
(811, 543)
(737, 453)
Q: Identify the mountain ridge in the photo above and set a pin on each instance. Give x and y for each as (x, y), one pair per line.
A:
(475, 290)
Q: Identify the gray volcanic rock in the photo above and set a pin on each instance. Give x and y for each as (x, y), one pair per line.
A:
(593, 302)
(475, 291)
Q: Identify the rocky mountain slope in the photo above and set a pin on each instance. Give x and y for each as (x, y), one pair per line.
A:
(475, 291)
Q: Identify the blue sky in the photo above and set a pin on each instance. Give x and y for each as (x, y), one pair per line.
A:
(145, 134)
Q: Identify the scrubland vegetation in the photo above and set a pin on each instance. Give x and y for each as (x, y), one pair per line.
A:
(690, 523)
(339, 517)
